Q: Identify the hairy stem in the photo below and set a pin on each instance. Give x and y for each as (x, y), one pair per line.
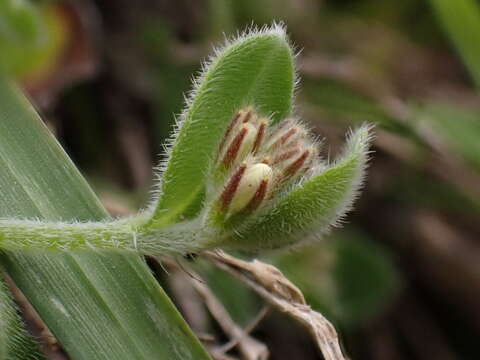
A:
(127, 234)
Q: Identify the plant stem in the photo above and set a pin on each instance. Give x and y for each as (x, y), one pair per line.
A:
(126, 234)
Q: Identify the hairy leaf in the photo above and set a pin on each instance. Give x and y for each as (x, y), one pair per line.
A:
(255, 69)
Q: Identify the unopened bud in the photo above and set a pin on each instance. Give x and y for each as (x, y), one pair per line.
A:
(252, 187)
(256, 160)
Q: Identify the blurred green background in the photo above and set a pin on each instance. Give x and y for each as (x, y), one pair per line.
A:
(401, 279)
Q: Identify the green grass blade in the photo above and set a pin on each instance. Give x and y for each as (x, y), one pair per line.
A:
(461, 20)
(15, 342)
(99, 306)
(256, 69)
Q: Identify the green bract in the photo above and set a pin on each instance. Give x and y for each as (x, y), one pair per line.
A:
(236, 176)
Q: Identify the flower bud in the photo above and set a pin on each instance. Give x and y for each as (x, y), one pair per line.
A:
(256, 160)
(252, 187)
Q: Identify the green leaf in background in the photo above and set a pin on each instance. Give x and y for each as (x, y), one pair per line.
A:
(342, 104)
(31, 37)
(416, 188)
(20, 22)
(256, 69)
(349, 278)
(98, 305)
(240, 302)
(458, 127)
(221, 17)
(461, 20)
(15, 342)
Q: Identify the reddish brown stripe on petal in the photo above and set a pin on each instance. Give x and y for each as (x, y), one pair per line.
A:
(259, 137)
(290, 132)
(287, 135)
(232, 124)
(286, 155)
(297, 164)
(247, 115)
(283, 124)
(229, 191)
(233, 148)
(295, 140)
(259, 195)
